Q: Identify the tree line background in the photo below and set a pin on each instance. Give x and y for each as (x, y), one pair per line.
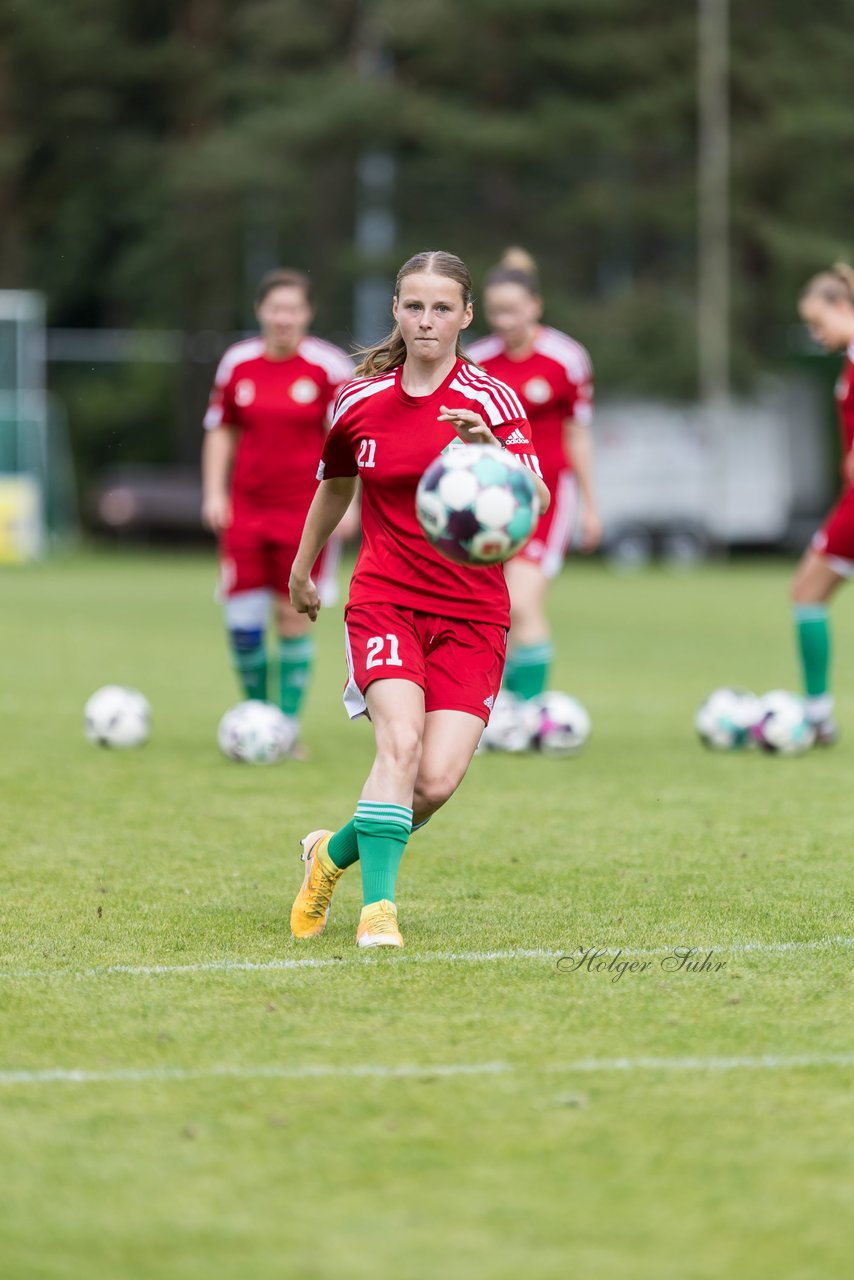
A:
(157, 155)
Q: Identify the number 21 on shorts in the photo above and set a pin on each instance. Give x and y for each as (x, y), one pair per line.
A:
(376, 644)
(367, 454)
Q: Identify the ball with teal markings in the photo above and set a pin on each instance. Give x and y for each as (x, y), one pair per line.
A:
(477, 504)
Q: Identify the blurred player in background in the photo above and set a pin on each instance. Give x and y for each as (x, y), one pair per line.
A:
(266, 421)
(827, 309)
(425, 638)
(552, 376)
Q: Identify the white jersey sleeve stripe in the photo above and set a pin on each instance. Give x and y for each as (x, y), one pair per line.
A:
(359, 390)
(485, 348)
(491, 386)
(491, 412)
(248, 349)
(336, 364)
(504, 395)
(567, 352)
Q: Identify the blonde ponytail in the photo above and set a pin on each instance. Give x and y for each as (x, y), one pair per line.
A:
(515, 258)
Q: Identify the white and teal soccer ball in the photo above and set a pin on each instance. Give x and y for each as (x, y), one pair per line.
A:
(256, 732)
(783, 727)
(477, 504)
(511, 725)
(726, 719)
(561, 724)
(116, 716)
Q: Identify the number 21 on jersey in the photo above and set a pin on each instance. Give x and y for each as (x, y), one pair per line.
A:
(367, 453)
(376, 658)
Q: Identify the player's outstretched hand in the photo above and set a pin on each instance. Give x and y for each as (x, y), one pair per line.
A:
(304, 597)
(468, 425)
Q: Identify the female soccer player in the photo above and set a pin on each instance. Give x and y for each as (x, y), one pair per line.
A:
(827, 309)
(266, 420)
(425, 638)
(552, 376)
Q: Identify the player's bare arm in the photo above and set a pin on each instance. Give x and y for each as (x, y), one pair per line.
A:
(218, 451)
(327, 510)
(471, 428)
(580, 440)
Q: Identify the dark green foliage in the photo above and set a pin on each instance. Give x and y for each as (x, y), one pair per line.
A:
(155, 157)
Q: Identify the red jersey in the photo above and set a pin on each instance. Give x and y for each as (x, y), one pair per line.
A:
(389, 438)
(281, 408)
(845, 401)
(554, 383)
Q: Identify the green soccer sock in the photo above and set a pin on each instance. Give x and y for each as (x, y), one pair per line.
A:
(343, 847)
(812, 625)
(383, 830)
(250, 661)
(527, 671)
(295, 661)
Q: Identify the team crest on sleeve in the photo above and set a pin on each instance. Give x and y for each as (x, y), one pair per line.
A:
(304, 391)
(244, 392)
(537, 390)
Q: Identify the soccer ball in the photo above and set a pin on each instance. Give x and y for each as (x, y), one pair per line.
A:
(561, 725)
(256, 732)
(725, 720)
(511, 725)
(117, 717)
(782, 726)
(477, 504)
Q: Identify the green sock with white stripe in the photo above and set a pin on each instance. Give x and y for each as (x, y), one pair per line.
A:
(526, 674)
(296, 656)
(383, 831)
(343, 847)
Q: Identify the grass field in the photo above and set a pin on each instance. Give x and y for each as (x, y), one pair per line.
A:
(244, 1107)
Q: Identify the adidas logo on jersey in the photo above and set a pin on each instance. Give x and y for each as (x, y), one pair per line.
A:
(489, 702)
(517, 436)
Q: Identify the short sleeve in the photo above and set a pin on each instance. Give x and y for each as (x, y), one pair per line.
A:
(517, 439)
(338, 458)
(581, 395)
(221, 407)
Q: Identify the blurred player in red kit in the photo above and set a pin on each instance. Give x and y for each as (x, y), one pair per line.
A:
(552, 376)
(425, 638)
(266, 421)
(827, 309)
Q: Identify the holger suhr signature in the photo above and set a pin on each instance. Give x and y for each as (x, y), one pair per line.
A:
(617, 963)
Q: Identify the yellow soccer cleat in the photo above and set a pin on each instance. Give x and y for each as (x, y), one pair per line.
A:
(311, 905)
(378, 926)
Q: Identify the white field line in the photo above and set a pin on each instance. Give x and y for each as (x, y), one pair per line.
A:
(424, 957)
(165, 1075)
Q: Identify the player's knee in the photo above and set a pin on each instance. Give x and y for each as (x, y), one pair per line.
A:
(400, 749)
(432, 790)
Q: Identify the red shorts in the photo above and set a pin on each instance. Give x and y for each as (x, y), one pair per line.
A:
(257, 551)
(458, 664)
(835, 539)
(553, 535)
